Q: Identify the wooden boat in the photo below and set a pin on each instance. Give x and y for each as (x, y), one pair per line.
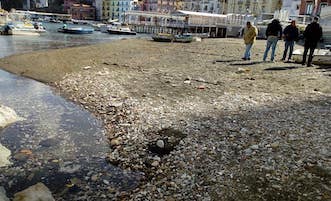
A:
(75, 30)
(163, 37)
(321, 56)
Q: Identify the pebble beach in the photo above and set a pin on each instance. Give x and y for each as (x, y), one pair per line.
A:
(196, 120)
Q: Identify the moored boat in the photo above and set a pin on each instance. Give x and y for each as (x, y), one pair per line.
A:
(75, 30)
(120, 29)
(164, 37)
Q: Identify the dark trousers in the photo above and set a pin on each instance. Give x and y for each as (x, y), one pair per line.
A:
(311, 47)
(289, 44)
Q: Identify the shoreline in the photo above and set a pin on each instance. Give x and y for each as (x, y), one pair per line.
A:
(221, 117)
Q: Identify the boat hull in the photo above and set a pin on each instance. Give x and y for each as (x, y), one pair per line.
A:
(76, 31)
(118, 32)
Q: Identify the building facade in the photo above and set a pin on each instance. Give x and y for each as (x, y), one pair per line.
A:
(254, 7)
(115, 9)
(313, 7)
(206, 6)
(291, 6)
(41, 3)
(82, 12)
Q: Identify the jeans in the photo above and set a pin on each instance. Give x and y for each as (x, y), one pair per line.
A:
(247, 54)
(271, 42)
(311, 47)
(288, 44)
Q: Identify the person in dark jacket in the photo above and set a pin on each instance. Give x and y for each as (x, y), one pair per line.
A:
(273, 33)
(312, 34)
(291, 34)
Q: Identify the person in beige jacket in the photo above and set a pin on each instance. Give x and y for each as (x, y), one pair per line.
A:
(250, 33)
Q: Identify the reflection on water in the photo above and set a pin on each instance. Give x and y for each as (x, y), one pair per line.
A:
(65, 140)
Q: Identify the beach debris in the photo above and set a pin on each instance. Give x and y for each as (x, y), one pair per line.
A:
(243, 70)
(38, 192)
(201, 87)
(86, 67)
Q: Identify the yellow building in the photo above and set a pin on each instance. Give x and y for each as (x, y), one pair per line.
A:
(255, 7)
(110, 9)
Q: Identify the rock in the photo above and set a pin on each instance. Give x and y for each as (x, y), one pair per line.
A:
(255, 147)
(7, 116)
(4, 155)
(115, 141)
(3, 196)
(160, 144)
(243, 70)
(274, 145)
(38, 192)
(187, 82)
(69, 167)
(155, 163)
(48, 142)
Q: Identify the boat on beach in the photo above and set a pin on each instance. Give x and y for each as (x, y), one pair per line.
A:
(75, 30)
(120, 29)
(26, 29)
(164, 37)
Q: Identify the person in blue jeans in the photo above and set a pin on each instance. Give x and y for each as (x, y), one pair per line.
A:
(273, 33)
(250, 33)
(291, 34)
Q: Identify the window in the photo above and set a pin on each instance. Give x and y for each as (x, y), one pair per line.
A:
(309, 8)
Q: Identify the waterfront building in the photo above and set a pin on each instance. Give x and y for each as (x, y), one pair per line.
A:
(41, 3)
(254, 7)
(291, 6)
(310, 7)
(82, 12)
(67, 5)
(98, 9)
(166, 6)
(207, 6)
(116, 9)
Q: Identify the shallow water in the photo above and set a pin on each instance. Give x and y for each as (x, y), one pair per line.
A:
(66, 141)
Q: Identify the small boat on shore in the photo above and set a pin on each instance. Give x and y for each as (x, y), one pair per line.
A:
(321, 56)
(164, 37)
(120, 29)
(75, 30)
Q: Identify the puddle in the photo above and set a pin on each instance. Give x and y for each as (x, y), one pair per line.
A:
(57, 139)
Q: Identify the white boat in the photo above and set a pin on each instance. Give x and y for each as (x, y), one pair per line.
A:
(321, 56)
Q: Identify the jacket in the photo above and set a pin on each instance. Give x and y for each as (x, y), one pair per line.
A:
(274, 29)
(250, 35)
(291, 33)
(313, 33)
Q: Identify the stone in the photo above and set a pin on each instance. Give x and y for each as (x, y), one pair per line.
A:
(155, 163)
(115, 141)
(38, 192)
(4, 156)
(7, 116)
(3, 196)
(160, 144)
(274, 145)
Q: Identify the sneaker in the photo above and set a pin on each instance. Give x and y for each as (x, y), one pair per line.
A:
(248, 59)
(309, 65)
(244, 58)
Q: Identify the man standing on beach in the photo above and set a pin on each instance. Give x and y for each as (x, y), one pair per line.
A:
(273, 33)
(250, 33)
(291, 34)
(312, 34)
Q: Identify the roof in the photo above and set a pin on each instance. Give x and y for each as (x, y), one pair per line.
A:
(200, 13)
